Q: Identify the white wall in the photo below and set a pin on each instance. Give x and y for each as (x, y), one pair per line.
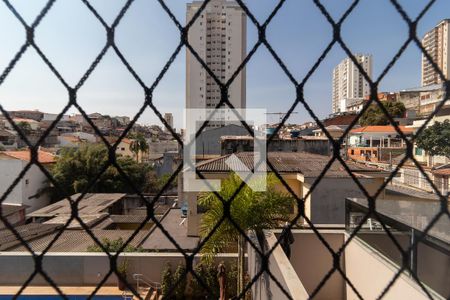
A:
(10, 168)
(36, 182)
(265, 287)
(370, 274)
(88, 268)
(32, 182)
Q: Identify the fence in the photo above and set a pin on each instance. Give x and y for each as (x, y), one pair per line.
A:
(72, 91)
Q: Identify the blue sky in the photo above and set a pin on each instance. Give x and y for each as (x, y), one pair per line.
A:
(71, 37)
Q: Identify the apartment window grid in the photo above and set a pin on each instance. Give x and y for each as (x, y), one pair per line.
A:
(72, 91)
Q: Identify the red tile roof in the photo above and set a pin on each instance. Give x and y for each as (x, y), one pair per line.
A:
(43, 157)
(386, 128)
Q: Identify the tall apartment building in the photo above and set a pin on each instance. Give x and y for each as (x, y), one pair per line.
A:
(219, 36)
(168, 117)
(436, 43)
(349, 84)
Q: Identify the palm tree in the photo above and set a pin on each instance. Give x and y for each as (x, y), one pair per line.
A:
(249, 209)
(139, 145)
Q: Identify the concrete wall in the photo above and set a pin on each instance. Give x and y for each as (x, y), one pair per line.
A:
(25, 191)
(208, 142)
(265, 287)
(32, 183)
(88, 269)
(317, 146)
(10, 169)
(312, 261)
(370, 273)
(433, 266)
(327, 202)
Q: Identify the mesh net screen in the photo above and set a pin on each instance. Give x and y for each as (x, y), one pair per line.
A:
(300, 102)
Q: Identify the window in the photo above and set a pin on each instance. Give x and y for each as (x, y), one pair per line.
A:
(419, 151)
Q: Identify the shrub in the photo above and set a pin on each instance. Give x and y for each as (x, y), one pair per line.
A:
(167, 282)
(179, 278)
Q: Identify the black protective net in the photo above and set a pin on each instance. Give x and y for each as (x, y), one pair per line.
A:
(337, 41)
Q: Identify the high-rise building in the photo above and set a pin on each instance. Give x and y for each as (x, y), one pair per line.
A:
(168, 117)
(349, 84)
(436, 43)
(219, 36)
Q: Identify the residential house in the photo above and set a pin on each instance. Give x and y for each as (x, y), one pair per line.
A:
(367, 262)
(29, 190)
(8, 139)
(377, 143)
(237, 143)
(34, 125)
(124, 149)
(69, 141)
(420, 154)
(335, 131)
(35, 115)
(325, 203)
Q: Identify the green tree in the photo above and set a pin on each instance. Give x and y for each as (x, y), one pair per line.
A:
(179, 277)
(167, 282)
(436, 139)
(139, 145)
(25, 127)
(76, 167)
(375, 116)
(113, 246)
(208, 274)
(251, 210)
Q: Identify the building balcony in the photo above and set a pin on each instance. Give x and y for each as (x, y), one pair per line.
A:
(368, 263)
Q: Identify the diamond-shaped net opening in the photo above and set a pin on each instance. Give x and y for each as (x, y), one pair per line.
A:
(368, 218)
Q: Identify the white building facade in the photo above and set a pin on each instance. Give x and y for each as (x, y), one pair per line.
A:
(436, 43)
(349, 85)
(30, 189)
(219, 36)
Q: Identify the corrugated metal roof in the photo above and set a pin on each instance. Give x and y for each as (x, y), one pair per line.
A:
(130, 219)
(90, 204)
(307, 164)
(27, 232)
(79, 240)
(89, 220)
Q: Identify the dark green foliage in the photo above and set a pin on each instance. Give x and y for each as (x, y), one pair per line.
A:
(375, 116)
(167, 282)
(24, 127)
(113, 246)
(208, 276)
(436, 139)
(251, 210)
(139, 145)
(190, 287)
(231, 279)
(76, 167)
(197, 289)
(155, 183)
(180, 278)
